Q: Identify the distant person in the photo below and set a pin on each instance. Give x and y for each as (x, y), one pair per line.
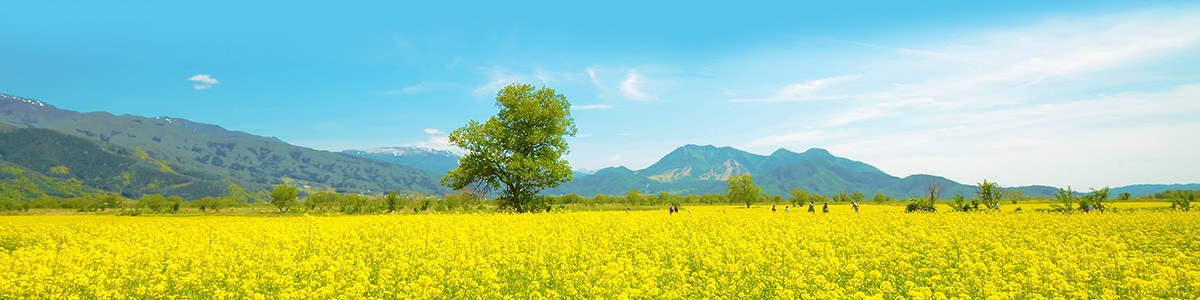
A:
(996, 206)
(810, 207)
(825, 208)
(787, 209)
(626, 210)
(772, 208)
(1091, 208)
(855, 204)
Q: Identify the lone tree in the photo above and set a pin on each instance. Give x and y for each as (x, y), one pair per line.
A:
(741, 189)
(519, 150)
(284, 196)
(989, 194)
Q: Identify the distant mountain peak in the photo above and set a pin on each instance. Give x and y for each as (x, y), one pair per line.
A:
(818, 151)
(437, 161)
(407, 150)
(26, 100)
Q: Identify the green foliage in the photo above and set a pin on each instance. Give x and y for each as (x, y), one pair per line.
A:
(919, 205)
(1013, 195)
(933, 189)
(60, 170)
(989, 194)
(799, 196)
(1094, 201)
(284, 196)
(633, 197)
(960, 204)
(519, 150)
(741, 189)
(154, 202)
(1183, 200)
(1064, 199)
(391, 202)
(881, 198)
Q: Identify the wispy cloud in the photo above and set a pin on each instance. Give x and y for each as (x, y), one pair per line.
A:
(433, 131)
(1027, 98)
(631, 87)
(591, 106)
(497, 78)
(421, 87)
(801, 91)
(592, 75)
(203, 81)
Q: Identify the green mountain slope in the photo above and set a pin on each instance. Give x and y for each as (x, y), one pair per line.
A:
(703, 169)
(69, 157)
(211, 152)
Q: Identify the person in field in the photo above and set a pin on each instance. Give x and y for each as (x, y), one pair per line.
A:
(772, 208)
(855, 204)
(787, 209)
(810, 207)
(825, 208)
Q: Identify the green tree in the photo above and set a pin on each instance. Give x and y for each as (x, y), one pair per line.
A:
(1095, 200)
(1065, 199)
(391, 201)
(799, 196)
(1182, 200)
(173, 203)
(857, 197)
(155, 202)
(109, 201)
(881, 198)
(989, 194)
(519, 150)
(284, 196)
(741, 189)
(633, 197)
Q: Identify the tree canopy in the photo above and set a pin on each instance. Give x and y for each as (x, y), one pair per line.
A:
(519, 151)
(741, 188)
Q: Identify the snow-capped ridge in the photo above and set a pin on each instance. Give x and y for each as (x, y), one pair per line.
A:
(30, 101)
(401, 151)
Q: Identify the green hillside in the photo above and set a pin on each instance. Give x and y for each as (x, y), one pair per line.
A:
(209, 152)
(694, 169)
(117, 170)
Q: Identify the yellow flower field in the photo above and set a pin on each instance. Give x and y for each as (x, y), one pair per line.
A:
(704, 252)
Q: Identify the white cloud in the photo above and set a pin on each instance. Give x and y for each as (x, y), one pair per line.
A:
(203, 81)
(591, 106)
(421, 87)
(631, 86)
(592, 75)
(497, 78)
(437, 139)
(802, 91)
(1078, 100)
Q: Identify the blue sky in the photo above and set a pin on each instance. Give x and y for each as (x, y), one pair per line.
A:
(1080, 93)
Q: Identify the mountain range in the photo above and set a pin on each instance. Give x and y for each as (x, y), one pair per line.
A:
(436, 162)
(135, 155)
(187, 158)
